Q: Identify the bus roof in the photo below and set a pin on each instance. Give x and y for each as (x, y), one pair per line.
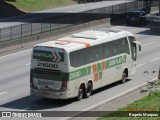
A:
(86, 39)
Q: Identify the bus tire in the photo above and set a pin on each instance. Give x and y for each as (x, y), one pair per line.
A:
(80, 93)
(124, 77)
(88, 90)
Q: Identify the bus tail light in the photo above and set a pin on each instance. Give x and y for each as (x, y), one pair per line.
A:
(64, 85)
(63, 49)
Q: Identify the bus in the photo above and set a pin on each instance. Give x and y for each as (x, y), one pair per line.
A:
(75, 65)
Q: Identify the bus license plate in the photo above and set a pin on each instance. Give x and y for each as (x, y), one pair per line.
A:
(44, 93)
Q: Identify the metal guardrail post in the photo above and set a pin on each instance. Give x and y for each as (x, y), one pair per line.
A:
(31, 30)
(11, 33)
(21, 30)
(41, 27)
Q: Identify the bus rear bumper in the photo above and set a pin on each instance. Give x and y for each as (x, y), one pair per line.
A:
(49, 94)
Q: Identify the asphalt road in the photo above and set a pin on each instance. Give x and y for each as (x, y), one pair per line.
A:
(14, 80)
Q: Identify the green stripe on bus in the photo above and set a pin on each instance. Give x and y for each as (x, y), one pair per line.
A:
(78, 73)
(99, 67)
(114, 62)
(89, 70)
(81, 72)
(124, 59)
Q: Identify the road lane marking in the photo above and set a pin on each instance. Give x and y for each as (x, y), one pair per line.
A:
(3, 93)
(148, 44)
(155, 59)
(139, 65)
(14, 53)
(28, 64)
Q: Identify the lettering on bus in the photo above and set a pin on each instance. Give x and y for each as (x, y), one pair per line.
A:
(47, 65)
(114, 62)
(48, 56)
(75, 75)
(43, 54)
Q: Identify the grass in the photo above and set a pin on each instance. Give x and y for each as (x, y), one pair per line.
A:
(36, 5)
(152, 101)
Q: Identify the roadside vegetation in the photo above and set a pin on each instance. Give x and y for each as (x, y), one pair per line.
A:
(150, 103)
(36, 5)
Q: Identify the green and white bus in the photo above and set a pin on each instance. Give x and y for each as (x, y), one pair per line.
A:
(75, 65)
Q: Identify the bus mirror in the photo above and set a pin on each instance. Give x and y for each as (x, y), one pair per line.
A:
(139, 44)
(140, 47)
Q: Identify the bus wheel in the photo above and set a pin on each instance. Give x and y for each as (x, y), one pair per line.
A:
(124, 77)
(88, 90)
(80, 93)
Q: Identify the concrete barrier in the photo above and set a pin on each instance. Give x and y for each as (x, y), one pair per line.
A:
(47, 36)
(10, 45)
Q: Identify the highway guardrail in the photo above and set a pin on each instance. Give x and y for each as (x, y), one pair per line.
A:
(51, 22)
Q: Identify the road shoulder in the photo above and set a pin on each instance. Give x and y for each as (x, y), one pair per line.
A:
(114, 105)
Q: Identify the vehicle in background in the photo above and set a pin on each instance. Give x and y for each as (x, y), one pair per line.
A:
(154, 22)
(136, 18)
(75, 65)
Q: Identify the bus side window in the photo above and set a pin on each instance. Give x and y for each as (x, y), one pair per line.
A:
(77, 58)
(73, 56)
(115, 47)
(88, 55)
(80, 57)
(107, 52)
(123, 46)
(98, 52)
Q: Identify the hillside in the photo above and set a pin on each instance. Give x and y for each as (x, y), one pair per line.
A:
(36, 5)
(9, 10)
